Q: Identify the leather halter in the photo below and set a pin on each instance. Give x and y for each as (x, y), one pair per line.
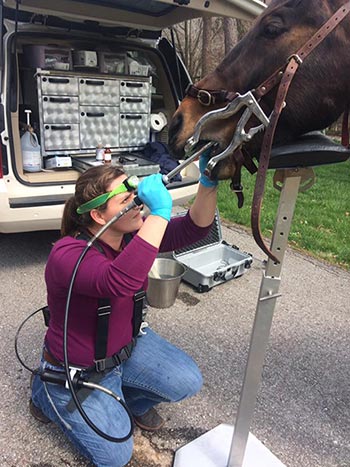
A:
(282, 76)
(209, 97)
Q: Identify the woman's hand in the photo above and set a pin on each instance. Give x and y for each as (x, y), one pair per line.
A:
(155, 196)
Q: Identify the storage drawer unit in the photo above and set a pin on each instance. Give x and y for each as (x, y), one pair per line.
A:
(79, 111)
(99, 123)
(60, 109)
(139, 105)
(61, 136)
(134, 130)
(58, 85)
(98, 91)
(135, 88)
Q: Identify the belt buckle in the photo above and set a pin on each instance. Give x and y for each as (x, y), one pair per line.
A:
(100, 365)
(139, 295)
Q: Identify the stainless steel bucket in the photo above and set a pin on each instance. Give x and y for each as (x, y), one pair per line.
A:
(163, 282)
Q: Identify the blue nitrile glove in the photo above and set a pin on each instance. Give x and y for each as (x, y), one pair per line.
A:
(152, 193)
(203, 179)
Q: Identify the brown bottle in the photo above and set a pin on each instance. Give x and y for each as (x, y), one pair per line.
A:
(107, 157)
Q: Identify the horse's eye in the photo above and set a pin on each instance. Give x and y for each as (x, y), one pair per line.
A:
(272, 30)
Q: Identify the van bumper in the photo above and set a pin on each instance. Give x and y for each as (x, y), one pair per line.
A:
(28, 215)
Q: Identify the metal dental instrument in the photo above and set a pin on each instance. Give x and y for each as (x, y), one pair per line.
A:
(240, 135)
(166, 178)
(232, 108)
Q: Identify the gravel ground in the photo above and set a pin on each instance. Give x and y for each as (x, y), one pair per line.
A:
(302, 411)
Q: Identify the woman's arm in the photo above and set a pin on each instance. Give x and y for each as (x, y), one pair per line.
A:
(202, 211)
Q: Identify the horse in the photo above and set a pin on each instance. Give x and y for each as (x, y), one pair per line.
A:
(294, 61)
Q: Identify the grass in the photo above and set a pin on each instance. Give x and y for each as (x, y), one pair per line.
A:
(321, 223)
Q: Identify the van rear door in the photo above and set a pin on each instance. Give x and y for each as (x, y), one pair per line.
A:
(140, 14)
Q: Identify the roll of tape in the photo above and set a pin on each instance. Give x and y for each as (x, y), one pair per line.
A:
(158, 122)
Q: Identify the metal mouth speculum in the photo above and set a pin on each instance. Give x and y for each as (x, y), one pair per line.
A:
(240, 135)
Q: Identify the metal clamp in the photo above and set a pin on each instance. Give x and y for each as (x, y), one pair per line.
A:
(240, 136)
(247, 100)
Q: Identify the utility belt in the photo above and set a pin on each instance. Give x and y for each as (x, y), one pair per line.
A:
(110, 362)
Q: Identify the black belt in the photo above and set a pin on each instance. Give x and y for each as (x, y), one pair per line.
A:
(95, 372)
(100, 365)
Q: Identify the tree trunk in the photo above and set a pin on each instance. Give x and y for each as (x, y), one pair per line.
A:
(206, 49)
(230, 33)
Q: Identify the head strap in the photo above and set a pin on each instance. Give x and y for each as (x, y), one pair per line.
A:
(129, 184)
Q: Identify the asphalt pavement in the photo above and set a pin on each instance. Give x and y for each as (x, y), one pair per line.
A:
(303, 409)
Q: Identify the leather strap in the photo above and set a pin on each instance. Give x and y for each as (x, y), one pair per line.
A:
(236, 184)
(209, 97)
(345, 128)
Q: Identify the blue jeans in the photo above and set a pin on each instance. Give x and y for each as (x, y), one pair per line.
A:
(156, 372)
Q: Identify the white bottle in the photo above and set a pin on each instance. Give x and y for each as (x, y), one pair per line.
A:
(31, 153)
(100, 152)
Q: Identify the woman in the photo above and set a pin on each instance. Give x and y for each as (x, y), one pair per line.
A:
(145, 369)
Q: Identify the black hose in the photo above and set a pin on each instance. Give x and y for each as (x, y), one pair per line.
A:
(16, 341)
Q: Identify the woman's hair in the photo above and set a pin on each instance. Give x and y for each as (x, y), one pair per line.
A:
(92, 183)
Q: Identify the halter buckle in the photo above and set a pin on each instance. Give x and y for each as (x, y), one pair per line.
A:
(296, 58)
(205, 97)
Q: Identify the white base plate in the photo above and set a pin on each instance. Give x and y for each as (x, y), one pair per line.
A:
(213, 448)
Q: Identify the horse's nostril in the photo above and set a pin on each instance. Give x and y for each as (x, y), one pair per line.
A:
(175, 127)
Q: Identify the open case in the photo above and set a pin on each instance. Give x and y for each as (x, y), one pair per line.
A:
(212, 261)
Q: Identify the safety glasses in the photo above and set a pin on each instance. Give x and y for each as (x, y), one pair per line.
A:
(129, 184)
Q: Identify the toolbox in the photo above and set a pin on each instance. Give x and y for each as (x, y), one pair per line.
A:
(212, 261)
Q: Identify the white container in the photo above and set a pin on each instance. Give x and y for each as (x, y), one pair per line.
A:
(31, 154)
(100, 152)
(85, 58)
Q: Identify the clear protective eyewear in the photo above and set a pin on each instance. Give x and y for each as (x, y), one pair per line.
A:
(129, 184)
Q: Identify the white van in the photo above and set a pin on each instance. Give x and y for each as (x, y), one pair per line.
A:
(88, 73)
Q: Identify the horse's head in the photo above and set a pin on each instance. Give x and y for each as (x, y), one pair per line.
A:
(316, 98)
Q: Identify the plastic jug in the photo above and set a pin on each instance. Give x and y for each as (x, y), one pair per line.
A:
(31, 154)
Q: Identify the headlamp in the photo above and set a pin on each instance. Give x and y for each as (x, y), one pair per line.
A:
(129, 184)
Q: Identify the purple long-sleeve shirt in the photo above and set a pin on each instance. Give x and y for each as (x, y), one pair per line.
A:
(114, 275)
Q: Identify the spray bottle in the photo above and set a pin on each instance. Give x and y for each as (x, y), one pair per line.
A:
(31, 154)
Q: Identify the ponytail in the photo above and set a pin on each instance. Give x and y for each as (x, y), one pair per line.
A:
(70, 220)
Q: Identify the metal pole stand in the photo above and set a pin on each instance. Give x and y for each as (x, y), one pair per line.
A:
(234, 446)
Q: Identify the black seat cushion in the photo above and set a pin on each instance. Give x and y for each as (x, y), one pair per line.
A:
(309, 150)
